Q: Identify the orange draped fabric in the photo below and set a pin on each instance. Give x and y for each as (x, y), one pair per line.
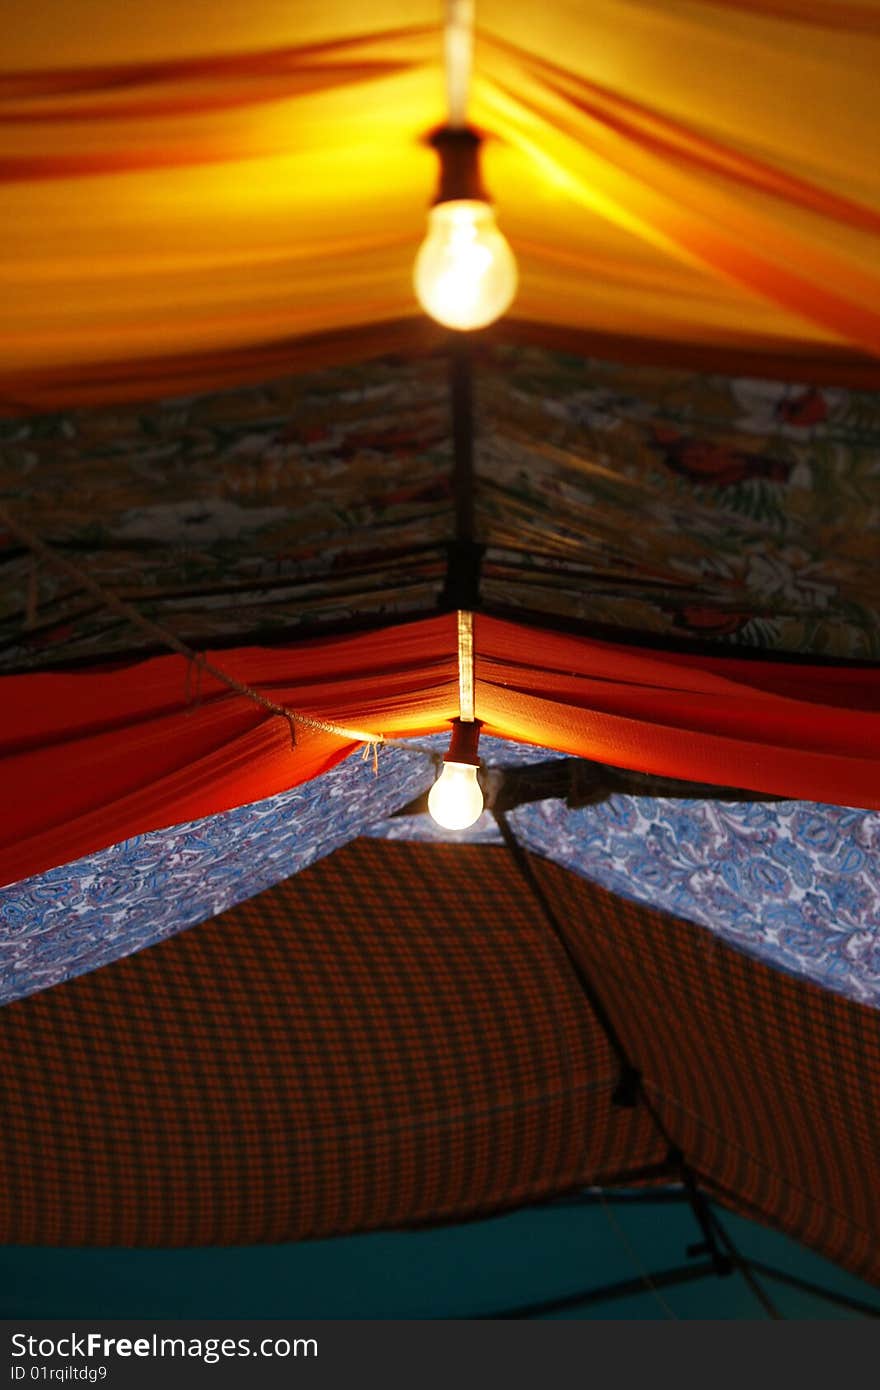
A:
(182, 195)
(92, 758)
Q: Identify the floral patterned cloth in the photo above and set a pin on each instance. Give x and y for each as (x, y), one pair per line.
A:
(640, 499)
(234, 517)
(679, 504)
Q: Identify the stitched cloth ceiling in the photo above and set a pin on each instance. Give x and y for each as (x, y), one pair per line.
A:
(320, 499)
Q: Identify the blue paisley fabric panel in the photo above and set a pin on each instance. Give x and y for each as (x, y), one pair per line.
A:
(795, 884)
(86, 914)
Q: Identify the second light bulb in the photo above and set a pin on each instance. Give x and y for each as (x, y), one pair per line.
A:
(456, 799)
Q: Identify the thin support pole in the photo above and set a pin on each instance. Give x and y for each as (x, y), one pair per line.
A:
(461, 390)
(629, 1088)
(466, 667)
(703, 1216)
(744, 1267)
(840, 1300)
(465, 554)
(626, 1288)
(458, 48)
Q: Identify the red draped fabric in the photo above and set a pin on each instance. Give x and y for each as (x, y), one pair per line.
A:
(91, 758)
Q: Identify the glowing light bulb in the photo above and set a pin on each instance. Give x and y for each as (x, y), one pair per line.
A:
(456, 800)
(465, 272)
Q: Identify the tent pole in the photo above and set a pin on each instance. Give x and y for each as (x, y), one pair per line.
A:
(723, 1263)
(461, 396)
(630, 1090)
(739, 1261)
(464, 553)
(626, 1288)
(841, 1300)
(628, 1086)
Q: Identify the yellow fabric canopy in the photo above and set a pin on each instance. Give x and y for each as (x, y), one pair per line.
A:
(185, 181)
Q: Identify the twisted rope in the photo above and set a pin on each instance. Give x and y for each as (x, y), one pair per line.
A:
(108, 599)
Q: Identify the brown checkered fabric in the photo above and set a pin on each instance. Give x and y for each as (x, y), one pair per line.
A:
(769, 1085)
(396, 1036)
(392, 1036)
